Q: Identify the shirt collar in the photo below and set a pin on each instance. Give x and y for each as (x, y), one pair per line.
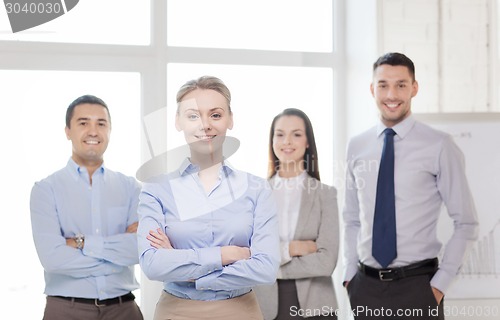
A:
(187, 167)
(401, 128)
(76, 170)
(297, 180)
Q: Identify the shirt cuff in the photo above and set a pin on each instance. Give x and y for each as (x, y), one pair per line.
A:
(285, 252)
(350, 272)
(208, 282)
(441, 281)
(210, 259)
(93, 246)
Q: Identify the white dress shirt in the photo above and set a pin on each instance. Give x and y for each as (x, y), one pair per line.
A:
(429, 171)
(288, 192)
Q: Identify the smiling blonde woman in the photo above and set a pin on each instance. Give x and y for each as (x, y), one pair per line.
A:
(207, 231)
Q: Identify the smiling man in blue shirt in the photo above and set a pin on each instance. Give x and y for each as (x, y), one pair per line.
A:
(84, 221)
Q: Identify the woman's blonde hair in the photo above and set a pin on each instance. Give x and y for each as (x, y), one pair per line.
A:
(206, 83)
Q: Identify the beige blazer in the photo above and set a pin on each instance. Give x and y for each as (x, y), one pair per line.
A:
(318, 220)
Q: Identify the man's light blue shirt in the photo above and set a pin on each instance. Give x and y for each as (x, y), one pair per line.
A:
(65, 204)
(239, 210)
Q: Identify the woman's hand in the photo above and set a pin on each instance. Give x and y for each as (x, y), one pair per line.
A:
(159, 239)
(298, 248)
(132, 228)
(231, 254)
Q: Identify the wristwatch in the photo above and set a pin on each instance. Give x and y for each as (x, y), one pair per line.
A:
(79, 239)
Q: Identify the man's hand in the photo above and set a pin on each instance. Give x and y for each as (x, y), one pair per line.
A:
(132, 228)
(71, 242)
(438, 295)
(159, 239)
(298, 248)
(231, 254)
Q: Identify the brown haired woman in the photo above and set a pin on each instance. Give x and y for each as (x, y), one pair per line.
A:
(308, 225)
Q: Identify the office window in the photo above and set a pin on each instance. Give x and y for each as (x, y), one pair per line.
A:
(124, 22)
(136, 54)
(256, 99)
(285, 25)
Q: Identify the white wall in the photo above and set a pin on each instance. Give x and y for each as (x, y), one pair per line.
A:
(360, 40)
(361, 52)
(450, 43)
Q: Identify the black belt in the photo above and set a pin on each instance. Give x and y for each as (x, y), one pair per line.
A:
(428, 267)
(101, 303)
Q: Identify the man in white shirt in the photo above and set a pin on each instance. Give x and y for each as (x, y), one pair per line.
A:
(427, 170)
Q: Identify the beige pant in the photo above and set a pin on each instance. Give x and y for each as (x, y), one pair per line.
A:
(170, 307)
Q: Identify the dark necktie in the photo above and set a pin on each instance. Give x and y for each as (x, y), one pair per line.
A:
(384, 222)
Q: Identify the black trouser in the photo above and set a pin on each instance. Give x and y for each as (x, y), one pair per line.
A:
(287, 298)
(405, 298)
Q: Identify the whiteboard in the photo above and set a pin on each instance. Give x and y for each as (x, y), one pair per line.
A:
(478, 136)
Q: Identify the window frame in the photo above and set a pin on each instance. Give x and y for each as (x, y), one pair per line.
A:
(150, 61)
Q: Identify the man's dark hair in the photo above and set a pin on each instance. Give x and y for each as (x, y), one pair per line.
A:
(396, 59)
(81, 100)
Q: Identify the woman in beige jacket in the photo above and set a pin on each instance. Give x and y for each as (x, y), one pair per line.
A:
(309, 225)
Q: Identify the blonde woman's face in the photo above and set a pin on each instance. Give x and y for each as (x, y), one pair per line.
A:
(204, 118)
